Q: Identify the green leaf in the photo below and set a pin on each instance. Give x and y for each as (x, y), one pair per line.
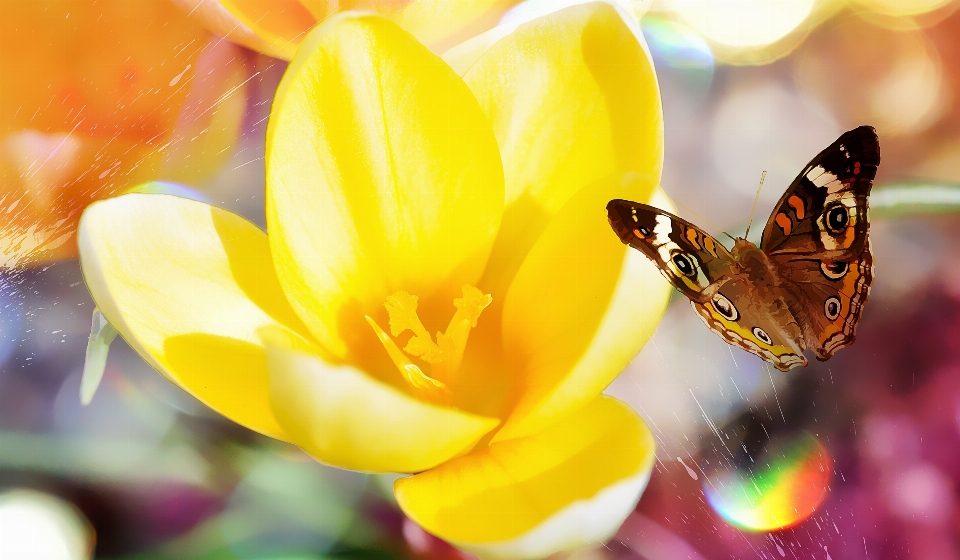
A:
(900, 199)
(102, 334)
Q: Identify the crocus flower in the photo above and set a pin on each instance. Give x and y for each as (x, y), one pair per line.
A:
(277, 27)
(439, 292)
(97, 97)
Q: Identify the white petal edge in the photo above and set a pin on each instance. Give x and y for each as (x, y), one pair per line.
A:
(580, 524)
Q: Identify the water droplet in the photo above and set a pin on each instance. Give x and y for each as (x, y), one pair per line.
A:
(176, 78)
(691, 472)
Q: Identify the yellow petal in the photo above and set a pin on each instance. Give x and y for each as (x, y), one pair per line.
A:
(218, 19)
(436, 22)
(572, 97)
(347, 419)
(382, 175)
(280, 24)
(188, 286)
(277, 27)
(568, 486)
(580, 308)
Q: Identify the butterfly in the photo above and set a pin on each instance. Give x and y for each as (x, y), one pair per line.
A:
(806, 284)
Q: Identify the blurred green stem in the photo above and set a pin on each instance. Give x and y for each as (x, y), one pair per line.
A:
(102, 334)
(900, 199)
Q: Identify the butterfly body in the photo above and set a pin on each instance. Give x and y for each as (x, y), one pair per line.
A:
(804, 287)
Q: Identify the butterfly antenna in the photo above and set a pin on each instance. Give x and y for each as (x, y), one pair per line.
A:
(755, 199)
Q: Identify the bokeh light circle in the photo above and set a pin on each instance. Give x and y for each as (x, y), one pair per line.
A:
(900, 8)
(35, 525)
(893, 80)
(784, 486)
(760, 125)
(744, 23)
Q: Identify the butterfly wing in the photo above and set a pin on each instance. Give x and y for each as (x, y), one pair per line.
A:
(755, 319)
(818, 240)
(702, 269)
(690, 259)
(824, 211)
(828, 297)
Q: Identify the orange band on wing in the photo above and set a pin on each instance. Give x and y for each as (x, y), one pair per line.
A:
(797, 205)
(784, 222)
(710, 246)
(692, 238)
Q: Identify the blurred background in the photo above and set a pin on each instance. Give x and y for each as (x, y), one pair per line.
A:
(858, 457)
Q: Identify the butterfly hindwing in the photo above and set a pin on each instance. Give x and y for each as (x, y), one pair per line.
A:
(693, 261)
(824, 211)
(759, 321)
(828, 297)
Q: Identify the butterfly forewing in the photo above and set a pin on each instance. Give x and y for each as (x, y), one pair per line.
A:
(824, 211)
(693, 261)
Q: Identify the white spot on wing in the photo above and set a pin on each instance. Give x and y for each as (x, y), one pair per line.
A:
(664, 226)
(820, 177)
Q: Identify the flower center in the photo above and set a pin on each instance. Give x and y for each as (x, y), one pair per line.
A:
(444, 355)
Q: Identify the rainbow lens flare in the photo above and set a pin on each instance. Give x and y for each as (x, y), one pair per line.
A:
(786, 485)
(168, 187)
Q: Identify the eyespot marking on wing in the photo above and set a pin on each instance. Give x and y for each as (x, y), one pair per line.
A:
(837, 223)
(832, 307)
(684, 264)
(725, 307)
(834, 270)
(762, 336)
(836, 218)
(782, 357)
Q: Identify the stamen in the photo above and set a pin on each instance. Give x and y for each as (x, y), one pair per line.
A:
(444, 355)
(409, 370)
(402, 308)
(454, 342)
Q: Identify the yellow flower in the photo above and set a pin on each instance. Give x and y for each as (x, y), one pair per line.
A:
(277, 27)
(96, 97)
(439, 292)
